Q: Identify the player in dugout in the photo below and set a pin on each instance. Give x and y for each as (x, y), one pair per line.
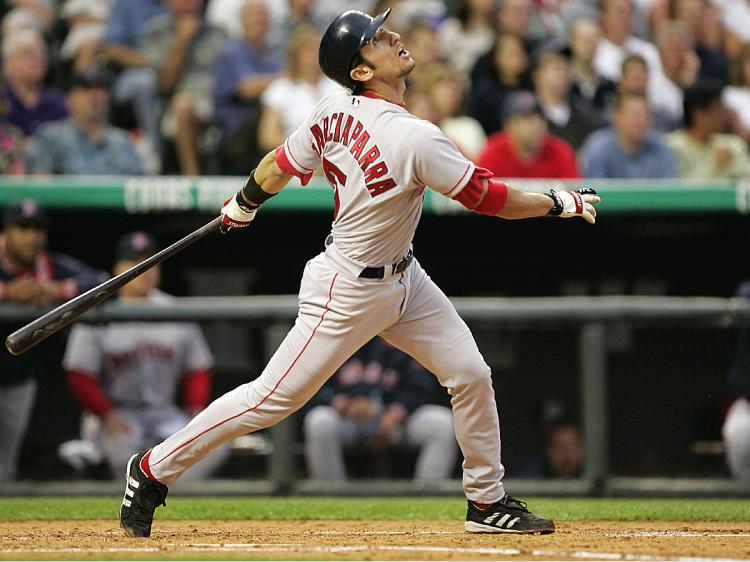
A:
(32, 275)
(126, 375)
(379, 159)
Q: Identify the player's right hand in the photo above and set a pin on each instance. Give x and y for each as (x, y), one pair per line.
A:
(236, 213)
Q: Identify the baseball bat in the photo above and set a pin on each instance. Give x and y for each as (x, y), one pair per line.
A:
(40, 329)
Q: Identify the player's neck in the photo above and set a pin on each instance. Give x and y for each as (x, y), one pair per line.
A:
(393, 93)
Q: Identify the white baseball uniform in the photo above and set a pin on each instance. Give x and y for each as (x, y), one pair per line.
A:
(379, 159)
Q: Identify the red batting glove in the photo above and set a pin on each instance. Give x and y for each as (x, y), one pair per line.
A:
(236, 213)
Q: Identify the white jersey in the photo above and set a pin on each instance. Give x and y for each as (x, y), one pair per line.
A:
(139, 364)
(378, 158)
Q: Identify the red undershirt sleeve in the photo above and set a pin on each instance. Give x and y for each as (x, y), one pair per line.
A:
(88, 393)
(196, 388)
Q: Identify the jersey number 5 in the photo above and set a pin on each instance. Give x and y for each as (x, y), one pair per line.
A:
(337, 179)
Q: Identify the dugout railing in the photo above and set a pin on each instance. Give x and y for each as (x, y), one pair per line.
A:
(590, 316)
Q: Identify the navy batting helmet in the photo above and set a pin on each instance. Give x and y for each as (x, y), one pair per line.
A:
(343, 39)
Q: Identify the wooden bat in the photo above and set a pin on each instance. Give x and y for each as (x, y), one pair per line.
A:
(40, 329)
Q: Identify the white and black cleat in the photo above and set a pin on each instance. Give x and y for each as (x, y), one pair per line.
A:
(507, 515)
(142, 497)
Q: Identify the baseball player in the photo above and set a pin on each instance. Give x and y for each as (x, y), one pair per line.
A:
(379, 159)
(125, 375)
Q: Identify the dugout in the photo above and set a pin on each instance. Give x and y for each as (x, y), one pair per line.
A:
(666, 383)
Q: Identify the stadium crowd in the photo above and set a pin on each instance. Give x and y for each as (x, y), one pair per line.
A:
(526, 88)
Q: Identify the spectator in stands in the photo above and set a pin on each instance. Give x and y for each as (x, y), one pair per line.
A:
(635, 79)
(590, 90)
(126, 376)
(87, 24)
(289, 99)
(420, 104)
(378, 398)
(136, 82)
(424, 46)
(183, 48)
(678, 70)
(701, 150)
(498, 73)
(525, 149)
(85, 143)
(700, 18)
(297, 14)
(514, 16)
(406, 13)
(551, 75)
(618, 42)
(325, 12)
(468, 35)
(242, 72)
(12, 142)
(736, 429)
(629, 149)
(30, 275)
(736, 19)
(447, 91)
(30, 103)
(737, 96)
(634, 75)
(563, 453)
(34, 14)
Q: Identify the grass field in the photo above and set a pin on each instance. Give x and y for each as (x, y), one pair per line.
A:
(375, 509)
(392, 529)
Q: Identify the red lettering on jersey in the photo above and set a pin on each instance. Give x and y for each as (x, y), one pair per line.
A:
(326, 132)
(142, 350)
(357, 130)
(347, 128)
(382, 186)
(377, 171)
(318, 135)
(337, 134)
(369, 158)
(359, 146)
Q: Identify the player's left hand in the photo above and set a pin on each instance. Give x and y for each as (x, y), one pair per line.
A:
(578, 203)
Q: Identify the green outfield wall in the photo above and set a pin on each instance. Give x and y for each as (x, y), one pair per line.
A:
(185, 194)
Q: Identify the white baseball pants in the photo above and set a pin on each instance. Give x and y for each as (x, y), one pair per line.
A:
(340, 312)
(736, 433)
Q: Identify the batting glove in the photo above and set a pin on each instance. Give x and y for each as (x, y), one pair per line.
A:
(578, 203)
(236, 213)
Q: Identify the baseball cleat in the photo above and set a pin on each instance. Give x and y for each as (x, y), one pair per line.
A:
(507, 515)
(142, 497)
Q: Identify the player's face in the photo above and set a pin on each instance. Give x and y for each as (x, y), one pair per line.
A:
(23, 243)
(141, 286)
(387, 56)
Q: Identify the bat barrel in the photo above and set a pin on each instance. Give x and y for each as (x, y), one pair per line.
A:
(40, 329)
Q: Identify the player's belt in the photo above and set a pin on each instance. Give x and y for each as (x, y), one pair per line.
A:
(381, 271)
(398, 267)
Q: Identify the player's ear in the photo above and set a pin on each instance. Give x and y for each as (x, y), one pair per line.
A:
(361, 73)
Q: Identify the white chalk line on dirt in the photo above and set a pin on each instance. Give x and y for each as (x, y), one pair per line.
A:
(668, 534)
(300, 549)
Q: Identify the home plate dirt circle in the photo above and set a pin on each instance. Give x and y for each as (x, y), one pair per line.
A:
(381, 540)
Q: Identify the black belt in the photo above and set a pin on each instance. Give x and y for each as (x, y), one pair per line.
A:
(379, 272)
(398, 267)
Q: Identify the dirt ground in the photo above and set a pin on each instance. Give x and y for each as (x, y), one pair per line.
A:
(378, 540)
